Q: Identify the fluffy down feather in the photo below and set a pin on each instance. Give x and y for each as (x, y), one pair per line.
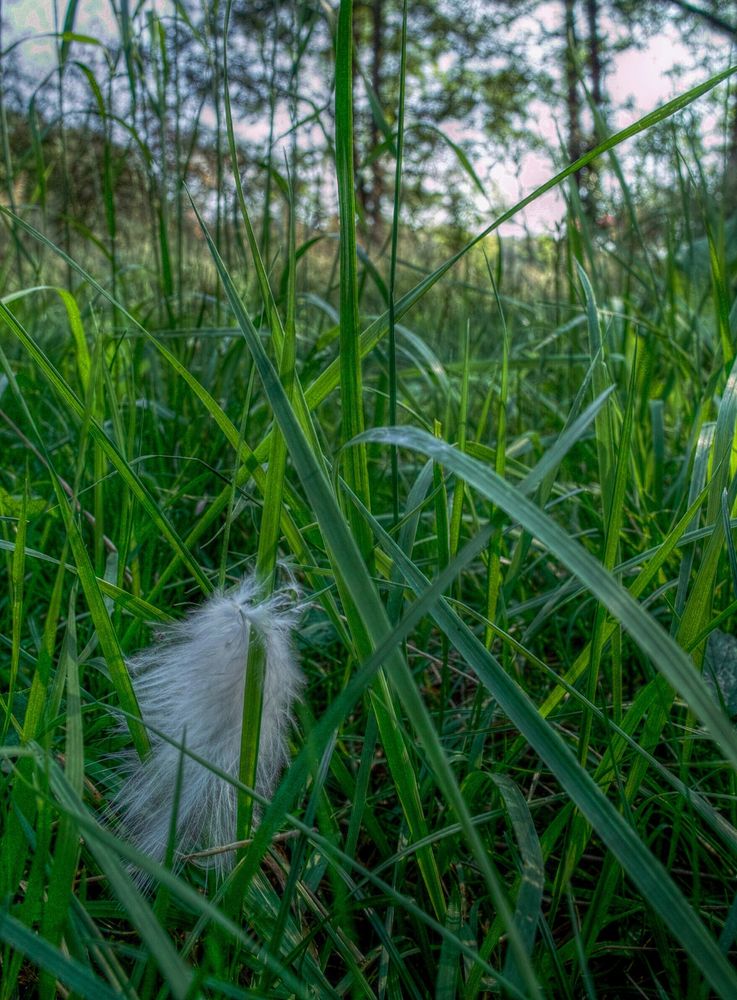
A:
(190, 687)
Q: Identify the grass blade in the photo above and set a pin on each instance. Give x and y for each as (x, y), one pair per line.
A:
(351, 386)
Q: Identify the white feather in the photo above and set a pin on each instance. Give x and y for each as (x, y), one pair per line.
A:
(190, 687)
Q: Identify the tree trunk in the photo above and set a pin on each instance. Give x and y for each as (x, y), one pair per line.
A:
(713, 19)
(595, 65)
(717, 21)
(377, 55)
(573, 97)
(596, 71)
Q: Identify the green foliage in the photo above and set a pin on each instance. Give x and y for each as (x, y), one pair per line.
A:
(507, 490)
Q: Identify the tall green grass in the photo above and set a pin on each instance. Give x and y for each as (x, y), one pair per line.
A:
(509, 775)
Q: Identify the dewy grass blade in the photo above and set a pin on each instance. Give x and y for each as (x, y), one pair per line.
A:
(347, 559)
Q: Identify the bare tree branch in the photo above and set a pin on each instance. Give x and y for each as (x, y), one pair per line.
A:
(709, 16)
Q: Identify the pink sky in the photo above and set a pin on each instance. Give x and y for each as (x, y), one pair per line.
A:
(637, 82)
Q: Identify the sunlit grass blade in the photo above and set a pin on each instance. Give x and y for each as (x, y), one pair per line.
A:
(105, 631)
(100, 437)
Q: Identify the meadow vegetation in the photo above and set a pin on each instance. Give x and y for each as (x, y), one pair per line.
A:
(502, 471)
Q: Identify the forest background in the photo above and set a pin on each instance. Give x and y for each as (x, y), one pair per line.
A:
(414, 300)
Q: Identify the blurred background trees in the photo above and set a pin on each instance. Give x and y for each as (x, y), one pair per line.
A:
(128, 112)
